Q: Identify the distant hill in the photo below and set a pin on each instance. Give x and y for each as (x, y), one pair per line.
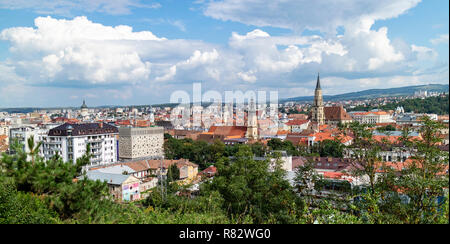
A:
(374, 93)
(17, 110)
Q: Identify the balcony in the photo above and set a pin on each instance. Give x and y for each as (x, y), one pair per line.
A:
(96, 160)
(96, 146)
(99, 140)
(53, 142)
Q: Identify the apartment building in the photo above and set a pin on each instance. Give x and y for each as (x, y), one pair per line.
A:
(4, 130)
(146, 142)
(70, 141)
(22, 133)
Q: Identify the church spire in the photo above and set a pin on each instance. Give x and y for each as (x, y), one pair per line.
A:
(318, 82)
(317, 108)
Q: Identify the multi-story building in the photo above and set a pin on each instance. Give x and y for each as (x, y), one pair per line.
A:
(70, 142)
(413, 119)
(23, 133)
(297, 126)
(372, 117)
(146, 142)
(4, 130)
(336, 115)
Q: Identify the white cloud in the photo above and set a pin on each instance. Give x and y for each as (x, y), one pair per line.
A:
(424, 53)
(298, 15)
(179, 24)
(268, 54)
(248, 76)
(198, 59)
(441, 39)
(78, 50)
(65, 7)
(359, 49)
(117, 63)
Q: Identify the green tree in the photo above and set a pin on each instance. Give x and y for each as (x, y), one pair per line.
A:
(331, 148)
(364, 151)
(420, 184)
(248, 187)
(173, 173)
(23, 208)
(34, 149)
(258, 149)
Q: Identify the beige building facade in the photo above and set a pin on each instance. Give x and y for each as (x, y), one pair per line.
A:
(146, 142)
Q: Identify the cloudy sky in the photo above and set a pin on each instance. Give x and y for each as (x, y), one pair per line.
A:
(125, 52)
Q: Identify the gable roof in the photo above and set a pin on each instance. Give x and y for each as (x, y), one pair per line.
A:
(297, 122)
(336, 113)
(228, 130)
(115, 169)
(323, 163)
(113, 179)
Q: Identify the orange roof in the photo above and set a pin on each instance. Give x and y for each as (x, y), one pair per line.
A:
(333, 175)
(143, 123)
(123, 122)
(232, 137)
(399, 166)
(336, 175)
(229, 130)
(321, 136)
(392, 139)
(282, 132)
(323, 127)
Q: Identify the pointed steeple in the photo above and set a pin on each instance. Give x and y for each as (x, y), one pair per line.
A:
(318, 82)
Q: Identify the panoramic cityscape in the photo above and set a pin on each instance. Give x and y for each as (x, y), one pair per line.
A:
(224, 112)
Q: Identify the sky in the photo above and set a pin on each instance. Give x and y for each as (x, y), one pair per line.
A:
(130, 52)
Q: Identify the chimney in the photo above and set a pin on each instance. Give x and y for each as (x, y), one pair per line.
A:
(330, 159)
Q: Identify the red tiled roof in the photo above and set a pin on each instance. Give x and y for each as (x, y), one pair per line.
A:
(210, 171)
(297, 139)
(337, 113)
(297, 122)
(323, 163)
(298, 116)
(229, 130)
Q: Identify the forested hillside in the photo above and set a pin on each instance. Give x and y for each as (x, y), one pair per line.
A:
(434, 105)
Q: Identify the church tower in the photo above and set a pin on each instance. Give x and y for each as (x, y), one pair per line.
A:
(84, 109)
(317, 114)
(252, 122)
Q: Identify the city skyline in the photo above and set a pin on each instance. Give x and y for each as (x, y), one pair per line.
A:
(55, 53)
